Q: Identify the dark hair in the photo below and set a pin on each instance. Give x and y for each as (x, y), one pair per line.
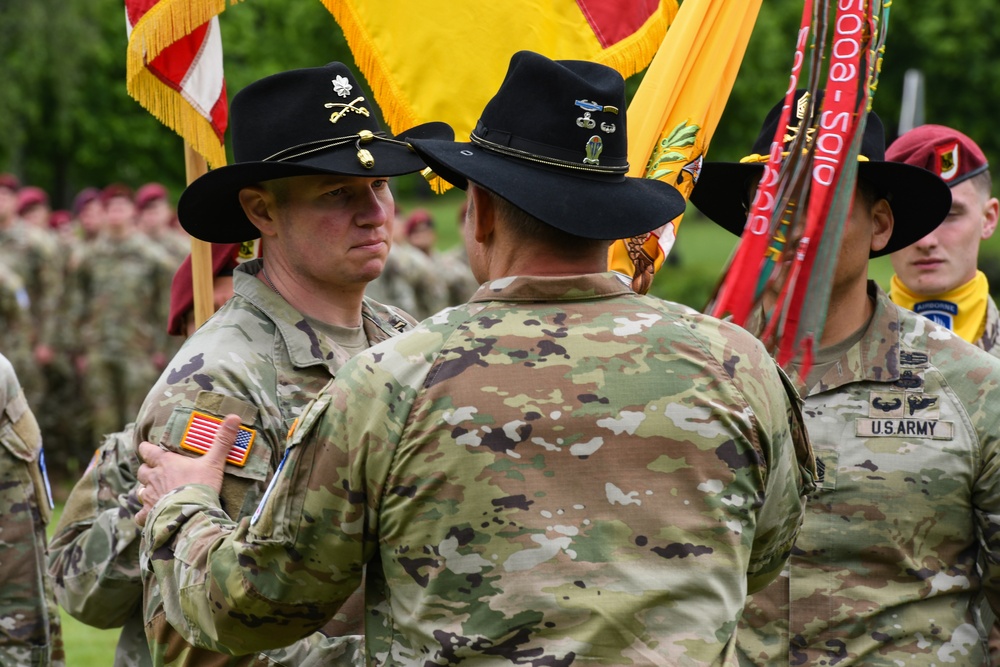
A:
(870, 193)
(525, 225)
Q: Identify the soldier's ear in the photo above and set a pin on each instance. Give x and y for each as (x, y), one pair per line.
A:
(882, 224)
(482, 213)
(257, 203)
(991, 211)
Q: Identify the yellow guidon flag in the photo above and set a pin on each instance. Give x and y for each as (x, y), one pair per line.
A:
(439, 60)
(675, 112)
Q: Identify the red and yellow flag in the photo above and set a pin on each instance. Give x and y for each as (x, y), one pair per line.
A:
(675, 112)
(442, 60)
(174, 69)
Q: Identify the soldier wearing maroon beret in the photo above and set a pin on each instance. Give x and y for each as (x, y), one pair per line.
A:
(938, 276)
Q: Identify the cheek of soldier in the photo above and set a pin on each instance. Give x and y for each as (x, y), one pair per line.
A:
(336, 230)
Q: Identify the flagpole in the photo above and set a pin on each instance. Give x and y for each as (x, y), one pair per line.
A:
(201, 251)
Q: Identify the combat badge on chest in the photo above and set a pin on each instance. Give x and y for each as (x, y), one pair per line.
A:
(905, 411)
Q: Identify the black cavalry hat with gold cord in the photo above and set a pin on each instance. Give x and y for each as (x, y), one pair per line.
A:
(297, 123)
(918, 198)
(552, 142)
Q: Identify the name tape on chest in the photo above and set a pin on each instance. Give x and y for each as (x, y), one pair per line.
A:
(201, 430)
(919, 428)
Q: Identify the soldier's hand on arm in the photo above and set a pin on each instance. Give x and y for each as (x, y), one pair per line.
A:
(162, 471)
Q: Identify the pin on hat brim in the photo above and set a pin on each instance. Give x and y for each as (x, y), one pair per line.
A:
(589, 206)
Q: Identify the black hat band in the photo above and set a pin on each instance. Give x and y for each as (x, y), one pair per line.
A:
(359, 139)
(541, 159)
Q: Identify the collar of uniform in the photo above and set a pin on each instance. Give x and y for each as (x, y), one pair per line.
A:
(305, 347)
(552, 288)
(875, 358)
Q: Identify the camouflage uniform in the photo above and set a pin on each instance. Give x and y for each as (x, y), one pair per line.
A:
(122, 300)
(558, 470)
(991, 330)
(30, 632)
(31, 254)
(258, 357)
(907, 441)
(93, 555)
(15, 322)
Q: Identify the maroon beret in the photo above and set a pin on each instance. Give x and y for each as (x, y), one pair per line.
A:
(84, 197)
(182, 289)
(29, 196)
(948, 153)
(149, 193)
(417, 218)
(10, 181)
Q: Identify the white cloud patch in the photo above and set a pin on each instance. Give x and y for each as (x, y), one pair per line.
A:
(460, 415)
(586, 448)
(627, 327)
(627, 422)
(619, 497)
(459, 563)
(529, 558)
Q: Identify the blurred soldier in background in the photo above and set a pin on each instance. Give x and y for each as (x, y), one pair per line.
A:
(121, 297)
(156, 220)
(30, 253)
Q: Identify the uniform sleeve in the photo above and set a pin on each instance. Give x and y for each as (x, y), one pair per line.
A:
(94, 553)
(790, 467)
(986, 492)
(280, 574)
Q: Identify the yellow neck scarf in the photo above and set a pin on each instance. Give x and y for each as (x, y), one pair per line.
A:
(963, 309)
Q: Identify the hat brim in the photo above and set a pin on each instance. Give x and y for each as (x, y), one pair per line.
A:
(595, 207)
(209, 209)
(920, 200)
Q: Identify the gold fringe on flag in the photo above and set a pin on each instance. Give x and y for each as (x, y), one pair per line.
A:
(168, 107)
(166, 22)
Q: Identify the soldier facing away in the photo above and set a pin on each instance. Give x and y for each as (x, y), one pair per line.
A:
(557, 471)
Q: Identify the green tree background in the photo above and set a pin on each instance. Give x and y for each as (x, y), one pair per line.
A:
(67, 121)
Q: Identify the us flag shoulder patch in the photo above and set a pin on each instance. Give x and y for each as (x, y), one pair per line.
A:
(201, 430)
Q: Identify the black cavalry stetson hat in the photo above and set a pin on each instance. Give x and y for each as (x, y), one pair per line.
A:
(552, 142)
(918, 198)
(296, 123)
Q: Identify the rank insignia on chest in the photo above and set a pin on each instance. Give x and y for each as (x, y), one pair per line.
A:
(201, 430)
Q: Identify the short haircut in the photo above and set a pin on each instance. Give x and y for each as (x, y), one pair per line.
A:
(525, 225)
(984, 183)
(870, 193)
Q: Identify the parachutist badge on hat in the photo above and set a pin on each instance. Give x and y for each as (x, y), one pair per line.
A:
(594, 148)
